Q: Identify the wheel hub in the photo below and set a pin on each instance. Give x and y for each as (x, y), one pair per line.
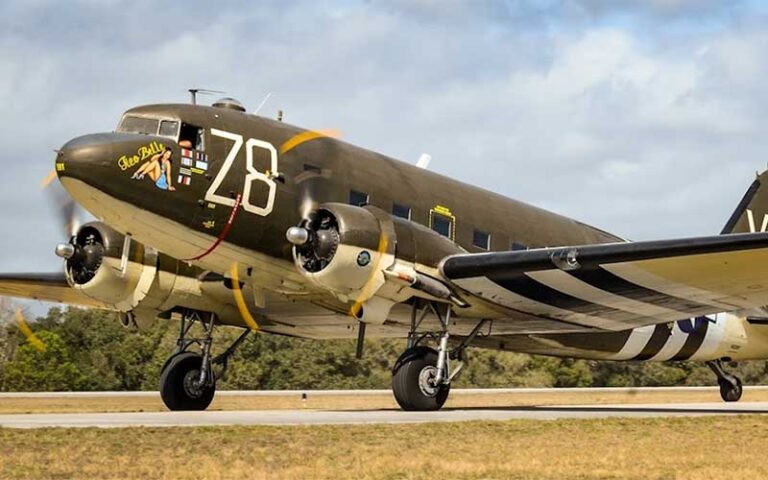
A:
(192, 383)
(427, 378)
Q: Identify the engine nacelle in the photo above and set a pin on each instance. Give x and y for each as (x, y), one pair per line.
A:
(365, 255)
(140, 283)
(102, 269)
(345, 247)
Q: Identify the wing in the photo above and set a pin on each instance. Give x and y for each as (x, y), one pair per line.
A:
(50, 287)
(621, 285)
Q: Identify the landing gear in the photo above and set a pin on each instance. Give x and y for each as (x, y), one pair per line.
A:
(180, 385)
(414, 381)
(188, 381)
(422, 376)
(730, 385)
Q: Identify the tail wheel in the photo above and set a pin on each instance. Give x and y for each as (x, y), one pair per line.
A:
(413, 381)
(179, 383)
(730, 391)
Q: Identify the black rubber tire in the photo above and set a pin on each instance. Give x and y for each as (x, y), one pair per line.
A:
(405, 381)
(172, 390)
(730, 392)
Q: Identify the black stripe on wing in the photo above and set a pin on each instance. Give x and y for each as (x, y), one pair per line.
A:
(610, 282)
(534, 290)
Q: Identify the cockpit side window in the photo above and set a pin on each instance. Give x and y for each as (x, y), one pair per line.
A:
(144, 126)
(192, 137)
(168, 128)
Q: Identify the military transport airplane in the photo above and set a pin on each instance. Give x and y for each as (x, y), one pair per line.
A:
(213, 216)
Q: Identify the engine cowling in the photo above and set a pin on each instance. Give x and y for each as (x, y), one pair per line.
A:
(342, 247)
(99, 267)
(140, 283)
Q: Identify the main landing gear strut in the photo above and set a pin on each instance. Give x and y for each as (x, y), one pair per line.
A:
(188, 380)
(422, 376)
(730, 385)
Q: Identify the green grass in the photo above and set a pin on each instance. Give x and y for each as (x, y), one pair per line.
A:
(671, 448)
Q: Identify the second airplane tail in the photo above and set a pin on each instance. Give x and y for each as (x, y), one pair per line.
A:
(751, 214)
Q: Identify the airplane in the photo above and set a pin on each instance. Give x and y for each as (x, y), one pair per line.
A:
(211, 216)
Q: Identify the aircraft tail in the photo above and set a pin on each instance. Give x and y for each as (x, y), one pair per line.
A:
(751, 215)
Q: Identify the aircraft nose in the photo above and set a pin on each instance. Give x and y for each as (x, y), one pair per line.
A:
(81, 154)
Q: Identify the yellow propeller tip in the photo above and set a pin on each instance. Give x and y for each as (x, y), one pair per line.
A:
(48, 179)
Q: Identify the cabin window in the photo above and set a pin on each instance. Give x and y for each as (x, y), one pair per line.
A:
(481, 239)
(442, 225)
(518, 246)
(144, 126)
(191, 137)
(358, 199)
(168, 128)
(401, 211)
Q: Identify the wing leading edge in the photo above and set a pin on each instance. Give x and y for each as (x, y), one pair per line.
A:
(622, 285)
(49, 287)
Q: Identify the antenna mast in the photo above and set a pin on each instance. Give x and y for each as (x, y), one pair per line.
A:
(202, 91)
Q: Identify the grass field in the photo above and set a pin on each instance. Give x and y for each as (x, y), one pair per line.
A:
(672, 448)
(358, 402)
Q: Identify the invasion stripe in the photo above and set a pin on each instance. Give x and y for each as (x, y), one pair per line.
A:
(661, 334)
(529, 288)
(562, 281)
(694, 340)
(637, 340)
(672, 346)
(486, 288)
(611, 282)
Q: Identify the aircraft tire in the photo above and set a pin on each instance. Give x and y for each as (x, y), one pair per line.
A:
(411, 370)
(176, 387)
(730, 392)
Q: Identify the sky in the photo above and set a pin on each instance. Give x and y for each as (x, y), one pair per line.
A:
(643, 118)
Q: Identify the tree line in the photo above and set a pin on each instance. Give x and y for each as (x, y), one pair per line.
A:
(89, 350)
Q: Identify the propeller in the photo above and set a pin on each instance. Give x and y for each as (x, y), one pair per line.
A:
(83, 254)
(316, 236)
(33, 339)
(67, 210)
(315, 240)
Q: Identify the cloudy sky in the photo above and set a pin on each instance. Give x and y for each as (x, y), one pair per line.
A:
(643, 118)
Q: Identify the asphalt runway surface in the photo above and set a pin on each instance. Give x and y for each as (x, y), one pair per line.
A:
(385, 416)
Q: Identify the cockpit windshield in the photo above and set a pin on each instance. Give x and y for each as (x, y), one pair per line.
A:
(149, 126)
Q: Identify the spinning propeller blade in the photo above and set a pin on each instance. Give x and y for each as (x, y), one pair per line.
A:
(68, 211)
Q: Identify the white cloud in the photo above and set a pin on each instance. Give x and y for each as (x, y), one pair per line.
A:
(640, 127)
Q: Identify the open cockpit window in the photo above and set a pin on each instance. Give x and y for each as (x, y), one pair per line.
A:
(142, 125)
(191, 137)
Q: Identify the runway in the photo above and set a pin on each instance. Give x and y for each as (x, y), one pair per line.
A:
(384, 416)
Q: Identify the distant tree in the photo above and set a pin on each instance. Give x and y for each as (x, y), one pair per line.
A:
(50, 369)
(90, 350)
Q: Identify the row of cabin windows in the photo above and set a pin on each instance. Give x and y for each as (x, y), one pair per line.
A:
(439, 223)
